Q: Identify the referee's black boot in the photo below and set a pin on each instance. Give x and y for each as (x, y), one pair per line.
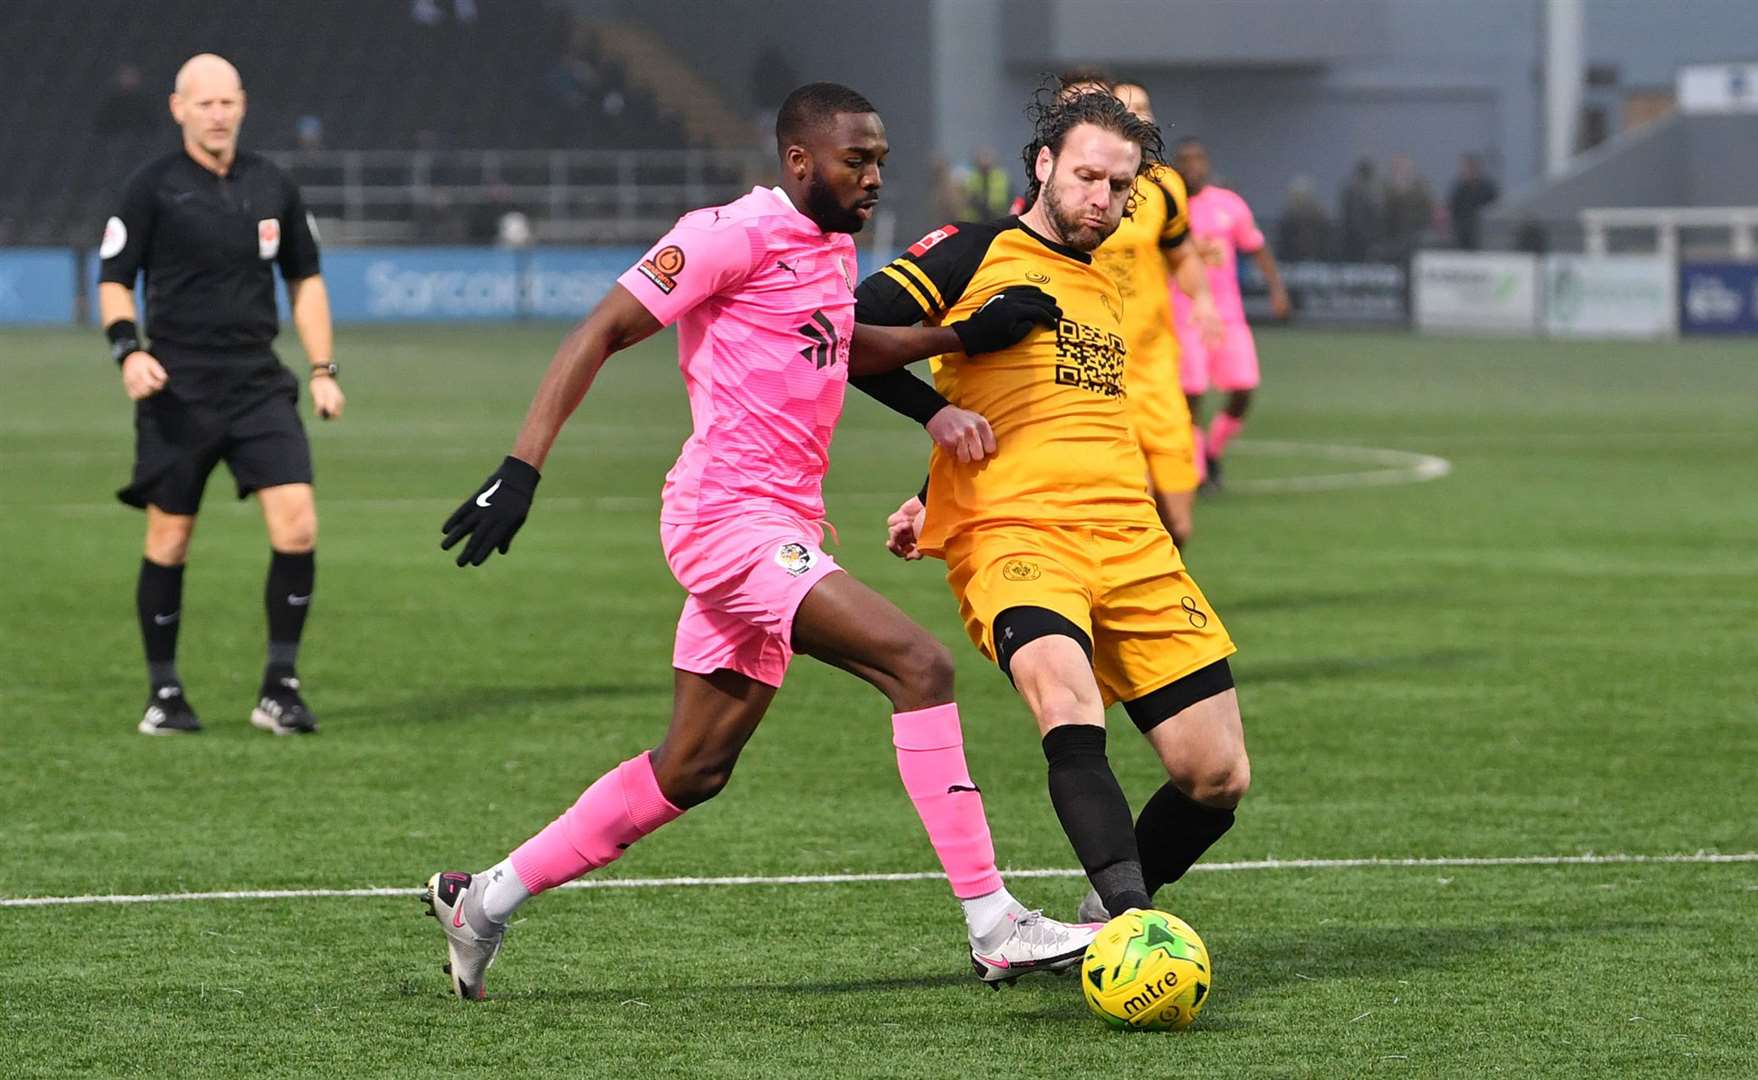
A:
(281, 710)
(168, 712)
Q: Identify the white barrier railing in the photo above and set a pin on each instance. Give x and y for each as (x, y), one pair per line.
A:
(569, 195)
(1664, 222)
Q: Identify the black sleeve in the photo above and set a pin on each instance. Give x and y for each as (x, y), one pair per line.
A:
(298, 258)
(128, 234)
(922, 283)
(1177, 226)
(902, 392)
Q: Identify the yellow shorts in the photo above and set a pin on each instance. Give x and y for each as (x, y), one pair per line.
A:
(1126, 587)
(1160, 416)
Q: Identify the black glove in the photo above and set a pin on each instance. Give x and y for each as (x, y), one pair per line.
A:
(492, 515)
(1005, 318)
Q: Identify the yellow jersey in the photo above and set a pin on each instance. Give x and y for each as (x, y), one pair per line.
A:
(1135, 258)
(1064, 450)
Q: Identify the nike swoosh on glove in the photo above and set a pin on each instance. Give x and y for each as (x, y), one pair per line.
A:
(490, 517)
(1006, 318)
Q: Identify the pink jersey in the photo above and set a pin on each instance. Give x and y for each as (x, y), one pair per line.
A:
(1222, 226)
(765, 306)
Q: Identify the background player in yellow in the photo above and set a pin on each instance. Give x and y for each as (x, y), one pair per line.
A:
(1148, 245)
(1064, 574)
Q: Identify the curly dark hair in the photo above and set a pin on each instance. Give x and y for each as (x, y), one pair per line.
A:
(1054, 112)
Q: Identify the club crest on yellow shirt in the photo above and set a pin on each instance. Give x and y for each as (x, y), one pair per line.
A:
(1021, 570)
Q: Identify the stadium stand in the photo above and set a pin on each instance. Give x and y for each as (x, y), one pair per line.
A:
(387, 82)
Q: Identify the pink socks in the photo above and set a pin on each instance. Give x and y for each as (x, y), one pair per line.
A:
(1221, 431)
(930, 758)
(624, 805)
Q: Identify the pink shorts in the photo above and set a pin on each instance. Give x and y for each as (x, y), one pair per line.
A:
(1233, 366)
(746, 577)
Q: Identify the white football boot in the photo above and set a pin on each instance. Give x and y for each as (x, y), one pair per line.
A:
(472, 939)
(1027, 942)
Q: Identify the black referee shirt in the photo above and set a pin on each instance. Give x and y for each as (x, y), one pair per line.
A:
(208, 245)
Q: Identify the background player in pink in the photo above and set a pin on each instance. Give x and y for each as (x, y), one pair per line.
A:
(1221, 226)
(762, 292)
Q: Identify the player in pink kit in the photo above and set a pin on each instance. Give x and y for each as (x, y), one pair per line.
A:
(762, 292)
(1222, 227)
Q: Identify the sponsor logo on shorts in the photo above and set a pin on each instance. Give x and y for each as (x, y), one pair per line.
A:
(793, 557)
(1021, 570)
(663, 266)
(268, 238)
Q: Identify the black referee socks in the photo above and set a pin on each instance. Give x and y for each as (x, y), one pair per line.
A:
(287, 596)
(1173, 832)
(1095, 815)
(158, 600)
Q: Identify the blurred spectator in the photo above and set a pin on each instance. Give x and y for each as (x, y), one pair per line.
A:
(1472, 191)
(572, 81)
(1410, 207)
(428, 13)
(988, 189)
(1363, 213)
(1304, 231)
(310, 132)
(947, 192)
(1532, 238)
(125, 106)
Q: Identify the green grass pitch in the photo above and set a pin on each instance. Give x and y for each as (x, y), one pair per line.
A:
(1549, 651)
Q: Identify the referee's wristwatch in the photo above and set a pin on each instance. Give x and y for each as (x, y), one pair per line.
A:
(331, 369)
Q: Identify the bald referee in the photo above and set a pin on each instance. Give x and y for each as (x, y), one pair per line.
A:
(207, 225)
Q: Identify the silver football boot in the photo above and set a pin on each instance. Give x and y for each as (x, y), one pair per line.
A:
(472, 939)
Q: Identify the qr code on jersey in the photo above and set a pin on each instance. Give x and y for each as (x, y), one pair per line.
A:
(1089, 358)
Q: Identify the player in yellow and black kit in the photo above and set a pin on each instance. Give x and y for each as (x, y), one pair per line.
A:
(1064, 574)
(1146, 248)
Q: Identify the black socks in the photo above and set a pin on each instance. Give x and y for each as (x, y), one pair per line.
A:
(1173, 832)
(287, 596)
(1095, 815)
(158, 600)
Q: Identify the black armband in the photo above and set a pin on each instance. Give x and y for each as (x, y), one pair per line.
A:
(124, 339)
(903, 393)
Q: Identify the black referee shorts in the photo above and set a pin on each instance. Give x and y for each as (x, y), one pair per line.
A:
(240, 408)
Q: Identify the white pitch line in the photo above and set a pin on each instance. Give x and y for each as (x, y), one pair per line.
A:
(1395, 467)
(1392, 468)
(1614, 859)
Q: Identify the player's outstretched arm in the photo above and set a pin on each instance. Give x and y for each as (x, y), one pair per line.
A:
(618, 322)
(489, 518)
(1003, 320)
(1193, 281)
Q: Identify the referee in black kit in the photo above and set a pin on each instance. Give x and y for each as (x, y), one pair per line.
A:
(208, 225)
